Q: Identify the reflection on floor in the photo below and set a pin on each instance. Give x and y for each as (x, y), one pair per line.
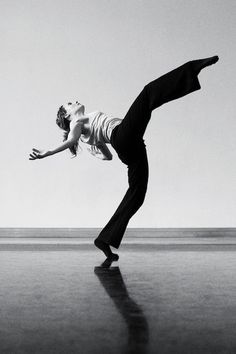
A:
(154, 300)
(137, 325)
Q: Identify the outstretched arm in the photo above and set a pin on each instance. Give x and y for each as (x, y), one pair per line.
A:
(73, 136)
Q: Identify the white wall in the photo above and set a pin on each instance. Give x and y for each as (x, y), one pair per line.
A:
(103, 53)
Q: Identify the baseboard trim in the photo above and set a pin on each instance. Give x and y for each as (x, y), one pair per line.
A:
(12, 232)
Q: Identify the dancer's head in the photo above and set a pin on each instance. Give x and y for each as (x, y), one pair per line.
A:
(74, 108)
(66, 112)
(64, 116)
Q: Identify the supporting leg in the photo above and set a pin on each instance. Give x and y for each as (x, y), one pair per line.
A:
(138, 176)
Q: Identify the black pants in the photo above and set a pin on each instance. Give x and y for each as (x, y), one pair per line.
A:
(127, 140)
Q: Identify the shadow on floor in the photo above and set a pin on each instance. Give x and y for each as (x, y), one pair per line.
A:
(138, 331)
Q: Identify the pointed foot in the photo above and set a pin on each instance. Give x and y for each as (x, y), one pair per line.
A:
(108, 261)
(199, 64)
(104, 247)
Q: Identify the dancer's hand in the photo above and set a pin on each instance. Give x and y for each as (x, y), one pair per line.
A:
(100, 151)
(39, 154)
(95, 151)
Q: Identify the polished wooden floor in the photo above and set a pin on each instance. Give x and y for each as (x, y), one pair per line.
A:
(160, 297)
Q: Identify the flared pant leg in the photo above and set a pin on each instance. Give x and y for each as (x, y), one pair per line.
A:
(127, 140)
(113, 232)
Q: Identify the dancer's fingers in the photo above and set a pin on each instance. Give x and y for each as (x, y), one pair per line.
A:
(32, 157)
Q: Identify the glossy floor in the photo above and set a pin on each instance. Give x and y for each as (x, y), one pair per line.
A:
(154, 300)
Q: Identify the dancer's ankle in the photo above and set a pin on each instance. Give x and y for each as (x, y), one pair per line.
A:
(104, 247)
(109, 260)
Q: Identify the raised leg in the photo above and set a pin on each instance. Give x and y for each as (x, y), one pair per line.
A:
(173, 85)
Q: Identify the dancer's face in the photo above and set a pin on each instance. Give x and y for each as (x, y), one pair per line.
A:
(73, 108)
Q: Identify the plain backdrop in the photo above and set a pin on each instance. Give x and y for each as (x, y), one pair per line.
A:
(102, 53)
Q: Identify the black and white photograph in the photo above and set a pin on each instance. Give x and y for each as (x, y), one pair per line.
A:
(118, 177)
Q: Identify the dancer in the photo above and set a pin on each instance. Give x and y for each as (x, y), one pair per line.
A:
(126, 137)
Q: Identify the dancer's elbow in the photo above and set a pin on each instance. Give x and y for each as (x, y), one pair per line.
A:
(72, 141)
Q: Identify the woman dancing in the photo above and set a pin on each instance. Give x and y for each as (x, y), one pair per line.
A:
(126, 137)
